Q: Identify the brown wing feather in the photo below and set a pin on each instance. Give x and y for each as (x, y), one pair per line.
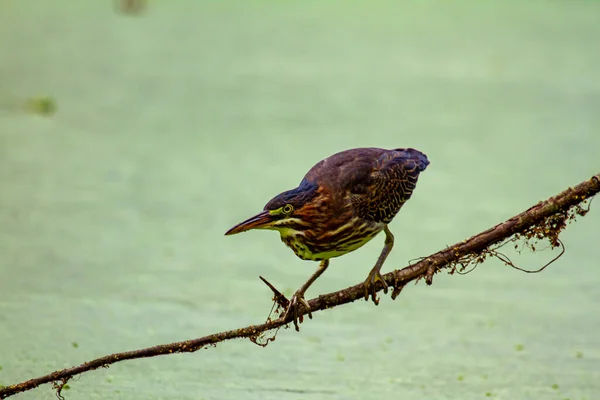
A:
(392, 178)
(374, 182)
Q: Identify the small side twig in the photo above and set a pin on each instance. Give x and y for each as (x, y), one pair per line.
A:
(502, 257)
(58, 386)
(278, 297)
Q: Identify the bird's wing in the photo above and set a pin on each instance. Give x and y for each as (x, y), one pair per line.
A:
(380, 188)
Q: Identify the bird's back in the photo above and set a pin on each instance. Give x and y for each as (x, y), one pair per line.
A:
(374, 182)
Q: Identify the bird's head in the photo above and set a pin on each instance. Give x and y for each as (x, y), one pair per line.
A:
(288, 210)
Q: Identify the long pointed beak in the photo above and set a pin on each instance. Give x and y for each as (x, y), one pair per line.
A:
(260, 220)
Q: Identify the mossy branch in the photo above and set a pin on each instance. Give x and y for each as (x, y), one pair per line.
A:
(543, 221)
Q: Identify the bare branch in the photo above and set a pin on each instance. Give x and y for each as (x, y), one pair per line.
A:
(543, 221)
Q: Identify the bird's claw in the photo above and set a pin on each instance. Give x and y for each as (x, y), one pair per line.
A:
(371, 283)
(293, 309)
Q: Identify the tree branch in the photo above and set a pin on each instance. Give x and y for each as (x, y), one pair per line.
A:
(543, 221)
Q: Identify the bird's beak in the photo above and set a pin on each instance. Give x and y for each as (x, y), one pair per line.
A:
(260, 220)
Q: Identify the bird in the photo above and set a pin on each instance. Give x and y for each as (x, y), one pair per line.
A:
(343, 202)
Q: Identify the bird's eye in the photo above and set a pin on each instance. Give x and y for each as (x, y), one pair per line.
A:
(287, 209)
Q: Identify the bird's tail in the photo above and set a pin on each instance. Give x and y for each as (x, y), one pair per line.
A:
(413, 154)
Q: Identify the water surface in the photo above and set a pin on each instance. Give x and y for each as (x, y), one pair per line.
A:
(178, 123)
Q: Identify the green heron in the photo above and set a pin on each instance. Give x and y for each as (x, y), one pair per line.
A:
(342, 203)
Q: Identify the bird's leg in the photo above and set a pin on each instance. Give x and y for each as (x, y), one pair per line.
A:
(298, 297)
(375, 274)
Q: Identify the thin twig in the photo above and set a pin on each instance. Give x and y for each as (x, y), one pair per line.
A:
(544, 220)
(278, 297)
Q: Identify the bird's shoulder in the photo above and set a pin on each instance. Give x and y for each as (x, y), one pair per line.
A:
(343, 170)
(357, 170)
(375, 183)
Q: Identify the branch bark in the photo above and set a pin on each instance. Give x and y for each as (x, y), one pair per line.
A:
(544, 220)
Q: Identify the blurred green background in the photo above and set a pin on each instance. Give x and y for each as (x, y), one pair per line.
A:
(175, 124)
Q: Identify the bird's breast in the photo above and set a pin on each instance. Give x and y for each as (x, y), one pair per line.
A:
(345, 238)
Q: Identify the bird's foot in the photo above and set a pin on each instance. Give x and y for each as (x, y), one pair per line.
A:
(293, 309)
(371, 283)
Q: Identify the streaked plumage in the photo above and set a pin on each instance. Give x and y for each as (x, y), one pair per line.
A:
(342, 203)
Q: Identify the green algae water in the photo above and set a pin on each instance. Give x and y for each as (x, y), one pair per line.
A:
(170, 126)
